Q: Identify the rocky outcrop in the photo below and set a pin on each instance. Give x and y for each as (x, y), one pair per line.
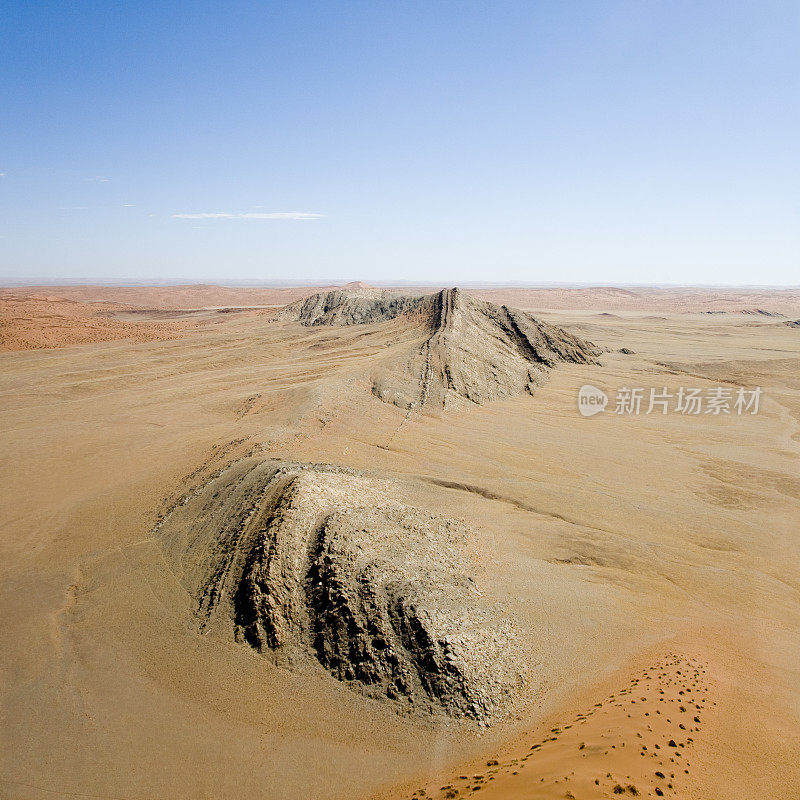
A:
(479, 352)
(751, 312)
(360, 306)
(468, 349)
(322, 562)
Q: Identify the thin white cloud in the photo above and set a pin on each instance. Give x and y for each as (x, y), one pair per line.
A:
(99, 179)
(3, 174)
(251, 215)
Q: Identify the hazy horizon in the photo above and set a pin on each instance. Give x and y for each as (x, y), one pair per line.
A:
(10, 283)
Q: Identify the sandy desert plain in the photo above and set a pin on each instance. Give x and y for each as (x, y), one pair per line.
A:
(380, 554)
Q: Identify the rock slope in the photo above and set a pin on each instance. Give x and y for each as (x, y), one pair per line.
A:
(468, 349)
(323, 562)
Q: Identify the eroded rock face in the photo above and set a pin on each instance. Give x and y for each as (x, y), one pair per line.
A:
(482, 352)
(359, 306)
(468, 349)
(327, 563)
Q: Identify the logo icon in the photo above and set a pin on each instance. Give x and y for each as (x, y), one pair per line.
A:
(591, 400)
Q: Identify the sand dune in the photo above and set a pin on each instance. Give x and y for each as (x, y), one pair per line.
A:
(638, 741)
(33, 322)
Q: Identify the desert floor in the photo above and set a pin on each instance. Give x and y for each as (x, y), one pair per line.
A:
(652, 560)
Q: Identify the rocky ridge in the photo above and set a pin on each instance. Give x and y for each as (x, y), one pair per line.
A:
(468, 350)
(325, 563)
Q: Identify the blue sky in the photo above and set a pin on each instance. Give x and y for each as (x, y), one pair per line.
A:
(564, 141)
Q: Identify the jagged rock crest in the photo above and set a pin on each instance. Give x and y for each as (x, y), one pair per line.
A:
(468, 349)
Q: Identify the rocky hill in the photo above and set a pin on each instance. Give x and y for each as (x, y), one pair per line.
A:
(323, 562)
(468, 348)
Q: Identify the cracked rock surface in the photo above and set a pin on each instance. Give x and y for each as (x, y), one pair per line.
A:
(326, 563)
